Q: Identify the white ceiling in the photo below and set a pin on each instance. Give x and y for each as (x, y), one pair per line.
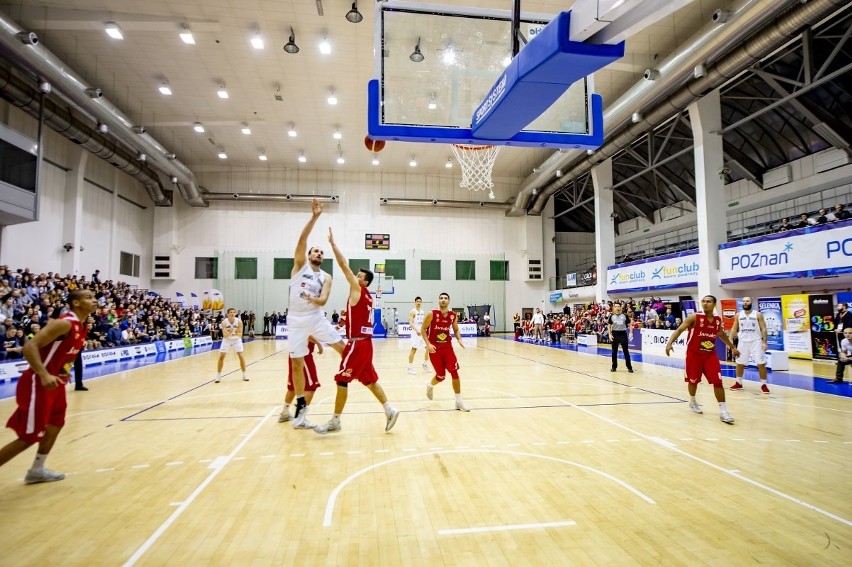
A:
(130, 72)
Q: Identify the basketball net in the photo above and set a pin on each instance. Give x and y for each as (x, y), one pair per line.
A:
(476, 162)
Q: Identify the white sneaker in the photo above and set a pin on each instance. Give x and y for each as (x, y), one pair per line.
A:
(425, 366)
(245, 378)
(429, 390)
(695, 407)
(305, 424)
(726, 417)
(42, 475)
(218, 379)
(299, 420)
(411, 370)
(333, 424)
(392, 416)
(461, 406)
(285, 416)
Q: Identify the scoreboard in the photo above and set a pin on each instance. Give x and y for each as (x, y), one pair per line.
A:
(377, 241)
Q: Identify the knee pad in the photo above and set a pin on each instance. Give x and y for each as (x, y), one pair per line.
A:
(343, 384)
(439, 379)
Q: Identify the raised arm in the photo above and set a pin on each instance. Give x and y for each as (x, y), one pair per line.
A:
(300, 256)
(354, 285)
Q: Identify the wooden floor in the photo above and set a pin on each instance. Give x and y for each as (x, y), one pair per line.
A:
(559, 463)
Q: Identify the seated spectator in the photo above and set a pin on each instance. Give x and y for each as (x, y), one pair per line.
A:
(840, 212)
(34, 328)
(785, 225)
(821, 218)
(804, 222)
(113, 336)
(12, 347)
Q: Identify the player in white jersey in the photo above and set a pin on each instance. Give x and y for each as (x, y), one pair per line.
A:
(309, 290)
(750, 329)
(232, 338)
(415, 321)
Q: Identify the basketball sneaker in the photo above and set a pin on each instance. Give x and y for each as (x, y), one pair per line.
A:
(285, 416)
(429, 390)
(333, 424)
(736, 386)
(764, 388)
(42, 475)
(461, 406)
(425, 366)
(726, 417)
(301, 412)
(411, 370)
(392, 416)
(695, 407)
(305, 424)
(245, 378)
(218, 379)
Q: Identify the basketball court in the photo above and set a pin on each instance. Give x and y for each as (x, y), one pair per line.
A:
(560, 460)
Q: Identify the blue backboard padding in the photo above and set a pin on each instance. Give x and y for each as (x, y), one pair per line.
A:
(537, 77)
(448, 135)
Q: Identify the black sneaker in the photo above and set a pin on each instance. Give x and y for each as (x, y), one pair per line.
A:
(300, 405)
(630, 370)
(612, 369)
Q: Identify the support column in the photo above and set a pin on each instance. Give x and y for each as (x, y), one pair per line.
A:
(705, 115)
(604, 227)
(72, 210)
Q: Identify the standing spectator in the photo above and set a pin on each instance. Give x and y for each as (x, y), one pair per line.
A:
(840, 212)
(538, 324)
(843, 319)
(266, 323)
(96, 277)
(785, 225)
(845, 356)
(803, 221)
(701, 358)
(821, 218)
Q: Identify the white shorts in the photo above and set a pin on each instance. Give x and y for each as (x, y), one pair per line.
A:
(299, 328)
(417, 341)
(753, 348)
(228, 344)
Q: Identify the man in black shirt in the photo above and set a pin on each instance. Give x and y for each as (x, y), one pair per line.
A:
(618, 325)
(803, 222)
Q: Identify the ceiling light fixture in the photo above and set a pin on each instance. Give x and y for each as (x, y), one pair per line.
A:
(113, 30)
(186, 36)
(337, 135)
(325, 46)
(433, 102)
(245, 129)
(222, 154)
(340, 159)
(292, 131)
(449, 164)
(332, 98)
(354, 15)
(222, 93)
(102, 128)
(375, 159)
(290, 46)
(413, 162)
(506, 61)
(416, 56)
(262, 157)
(198, 127)
(449, 56)
(257, 41)
(165, 89)
(302, 158)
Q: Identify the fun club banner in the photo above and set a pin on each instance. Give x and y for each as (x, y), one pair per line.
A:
(665, 272)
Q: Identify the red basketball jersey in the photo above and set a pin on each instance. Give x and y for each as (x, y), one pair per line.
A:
(359, 317)
(440, 328)
(59, 356)
(702, 335)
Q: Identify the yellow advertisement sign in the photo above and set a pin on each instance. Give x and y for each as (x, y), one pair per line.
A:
(797, 329)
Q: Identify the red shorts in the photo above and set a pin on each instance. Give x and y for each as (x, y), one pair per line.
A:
(444, 360)
(706, 364)
(357, 363)
(37, 408)
(311, 376)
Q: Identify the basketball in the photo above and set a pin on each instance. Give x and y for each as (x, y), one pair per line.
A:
(374, 145)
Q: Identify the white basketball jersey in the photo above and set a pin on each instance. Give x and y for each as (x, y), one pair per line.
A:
(749, 327)
(231, 328)
(306, 284)
(418, 317)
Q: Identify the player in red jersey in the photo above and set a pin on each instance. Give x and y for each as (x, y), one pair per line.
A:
(436, 331)
(701, 354)
(40, 393)
(311, 381)
(357, 362)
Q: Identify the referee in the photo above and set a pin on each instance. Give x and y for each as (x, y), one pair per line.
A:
(618, 323)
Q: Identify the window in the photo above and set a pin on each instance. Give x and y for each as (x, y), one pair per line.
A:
(465, 269)
(500, 270)
(430, 269)
(328, 266)
(245, 268)
(206, 268)
(128, 265)
(356, 264)
(395, 269)
(282, 268)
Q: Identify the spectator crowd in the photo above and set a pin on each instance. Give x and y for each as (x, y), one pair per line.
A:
(823, 216)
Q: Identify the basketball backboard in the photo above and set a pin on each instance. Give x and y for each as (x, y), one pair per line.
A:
(437, 64)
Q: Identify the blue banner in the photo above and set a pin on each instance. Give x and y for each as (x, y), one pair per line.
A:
(556, 297)
(770, 308)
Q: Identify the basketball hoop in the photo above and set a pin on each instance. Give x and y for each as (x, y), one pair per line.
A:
(379, 293)
(476, 162)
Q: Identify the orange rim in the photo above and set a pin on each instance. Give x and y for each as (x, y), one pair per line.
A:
(472, 148)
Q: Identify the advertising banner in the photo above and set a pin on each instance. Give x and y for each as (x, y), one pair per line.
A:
(823, 327)
(770, 308)
(466, 330)
(797, 330)
(728, 310)
(556, 297)
(654, 342)
(571, 279)
(664, 272)
(822, 250)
